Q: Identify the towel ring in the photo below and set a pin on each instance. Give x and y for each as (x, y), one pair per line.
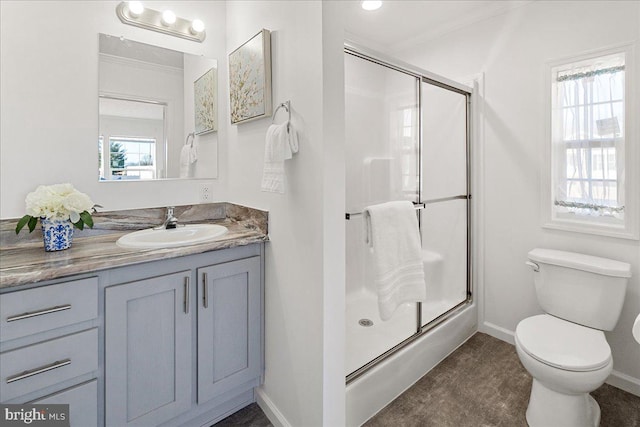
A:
(287, 106)
(193, 136)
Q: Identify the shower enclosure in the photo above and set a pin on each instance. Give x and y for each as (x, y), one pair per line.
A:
(407, 138)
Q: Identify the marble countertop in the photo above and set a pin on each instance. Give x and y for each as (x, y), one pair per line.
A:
(27, 262)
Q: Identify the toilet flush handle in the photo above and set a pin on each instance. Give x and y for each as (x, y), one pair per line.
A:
(533, 265)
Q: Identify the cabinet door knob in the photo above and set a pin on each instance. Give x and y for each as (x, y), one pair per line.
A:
(205, 292)
(186, 295)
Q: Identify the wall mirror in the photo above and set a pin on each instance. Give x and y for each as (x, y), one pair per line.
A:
(158, 112)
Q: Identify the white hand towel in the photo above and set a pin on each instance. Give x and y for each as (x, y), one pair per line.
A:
(394, 237)
(280, 144)
(188, 156)
(193, 152)
(185, 165)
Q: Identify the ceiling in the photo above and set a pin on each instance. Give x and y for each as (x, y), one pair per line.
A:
(399, 23)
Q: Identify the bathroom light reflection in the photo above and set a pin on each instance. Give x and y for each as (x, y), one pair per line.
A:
(371, 4)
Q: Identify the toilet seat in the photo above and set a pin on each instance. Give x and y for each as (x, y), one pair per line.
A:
(562, 344)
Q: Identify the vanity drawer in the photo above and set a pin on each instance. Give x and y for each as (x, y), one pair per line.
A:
(41, 365)
(49, 307)
(82, 401)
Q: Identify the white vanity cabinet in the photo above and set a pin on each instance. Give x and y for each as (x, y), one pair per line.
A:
(183, 344)
(49, 347)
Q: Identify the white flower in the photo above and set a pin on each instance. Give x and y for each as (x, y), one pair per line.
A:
(59, 201)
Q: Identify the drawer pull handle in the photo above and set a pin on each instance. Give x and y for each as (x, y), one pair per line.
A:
(205, 294)
(39, 312)
(36, 371)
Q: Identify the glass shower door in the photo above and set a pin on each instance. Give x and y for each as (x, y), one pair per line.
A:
(444, 220)
(382, 164)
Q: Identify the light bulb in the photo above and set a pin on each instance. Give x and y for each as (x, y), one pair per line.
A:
(168, 17)
(135, 8)
(197, 26)
(371, 4)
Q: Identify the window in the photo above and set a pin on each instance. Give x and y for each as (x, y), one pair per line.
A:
(408, 129)
(588, 132)
(100, 164)
(132, 158)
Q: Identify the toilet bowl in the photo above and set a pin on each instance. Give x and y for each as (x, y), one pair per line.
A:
(566, 361)
(565, 350)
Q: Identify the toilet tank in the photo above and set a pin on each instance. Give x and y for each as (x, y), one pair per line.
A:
(580, 288)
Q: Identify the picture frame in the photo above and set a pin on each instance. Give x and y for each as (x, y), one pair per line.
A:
(250, 79)
(205, 98)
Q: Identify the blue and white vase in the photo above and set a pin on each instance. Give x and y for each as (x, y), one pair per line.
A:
(57, 234)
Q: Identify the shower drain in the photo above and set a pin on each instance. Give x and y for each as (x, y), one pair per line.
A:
(365, 322)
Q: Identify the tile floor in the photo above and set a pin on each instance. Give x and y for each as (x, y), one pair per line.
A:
(481, 384)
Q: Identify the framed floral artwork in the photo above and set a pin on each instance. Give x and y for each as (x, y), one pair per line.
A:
(205, 96)
(250, 79)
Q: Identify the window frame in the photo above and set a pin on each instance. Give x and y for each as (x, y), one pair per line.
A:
(604, 226)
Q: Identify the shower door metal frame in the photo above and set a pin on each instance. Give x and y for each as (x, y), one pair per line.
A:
(424, 76)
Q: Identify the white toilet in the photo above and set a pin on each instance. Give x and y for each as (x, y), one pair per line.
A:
(565, 350)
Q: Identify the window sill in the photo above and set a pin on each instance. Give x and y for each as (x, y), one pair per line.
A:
(591, 228)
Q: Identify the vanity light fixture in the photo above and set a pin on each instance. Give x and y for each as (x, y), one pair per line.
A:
(371, 5)
(197, 26)
(168, 18)
(135, 8)
(134, 13)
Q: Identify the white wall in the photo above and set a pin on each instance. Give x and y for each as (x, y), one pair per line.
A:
(511, 51)
(49, 104)
(304, 378)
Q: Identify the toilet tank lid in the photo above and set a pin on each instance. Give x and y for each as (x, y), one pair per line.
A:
(592, 264)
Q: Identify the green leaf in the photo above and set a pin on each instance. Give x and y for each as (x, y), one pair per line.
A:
(86, 218)
(32, 223)
(23, 221)
(79, 224)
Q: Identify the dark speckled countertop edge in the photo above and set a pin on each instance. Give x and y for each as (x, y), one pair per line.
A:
(28, 263)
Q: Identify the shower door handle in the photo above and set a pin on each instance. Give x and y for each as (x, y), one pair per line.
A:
(445, 199)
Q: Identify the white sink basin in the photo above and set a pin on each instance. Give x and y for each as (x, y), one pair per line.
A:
(183, 235)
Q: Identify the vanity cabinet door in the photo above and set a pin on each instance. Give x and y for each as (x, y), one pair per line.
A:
(148, 350)
(229, 326)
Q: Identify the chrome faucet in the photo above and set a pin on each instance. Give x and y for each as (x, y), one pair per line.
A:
(170, 222)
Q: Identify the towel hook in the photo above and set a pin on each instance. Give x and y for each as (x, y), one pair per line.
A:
(287, 106)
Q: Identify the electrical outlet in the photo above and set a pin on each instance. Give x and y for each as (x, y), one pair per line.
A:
(205, 193)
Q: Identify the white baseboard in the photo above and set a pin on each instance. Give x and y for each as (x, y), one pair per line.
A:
(270, 409)
(498, 332)
(617, 379)
(624, 382)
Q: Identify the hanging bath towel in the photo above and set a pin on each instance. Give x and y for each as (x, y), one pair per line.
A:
(281, 143)
(394, 238)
